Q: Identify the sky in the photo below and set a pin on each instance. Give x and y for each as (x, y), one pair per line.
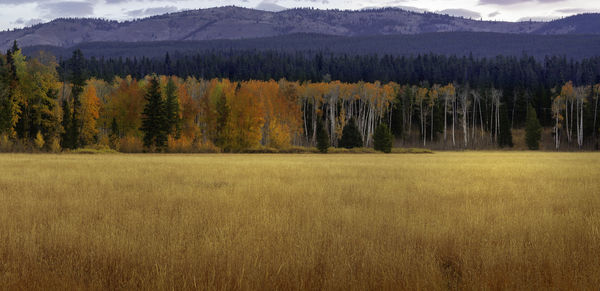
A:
(21, 13)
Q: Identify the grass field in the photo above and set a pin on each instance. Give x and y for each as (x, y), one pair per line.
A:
(471, 220)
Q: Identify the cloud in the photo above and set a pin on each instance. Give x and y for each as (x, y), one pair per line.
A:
(494, 14)
(66, 9)
(576, 11)
(26, 23)
(461, 13)
(406, 8)
(538, 18)
(512, 2)
(270, 5)
(151, 11)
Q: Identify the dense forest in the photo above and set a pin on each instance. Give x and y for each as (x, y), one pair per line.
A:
(478, 44)
(238, 101)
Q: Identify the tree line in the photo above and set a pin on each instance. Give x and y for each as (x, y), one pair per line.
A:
(48, 110)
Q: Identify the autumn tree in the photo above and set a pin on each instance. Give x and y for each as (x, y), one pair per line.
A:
(533, 129)
(154, 118)
(383, 138)
(322, 137)
(351, 137)
(89, 115)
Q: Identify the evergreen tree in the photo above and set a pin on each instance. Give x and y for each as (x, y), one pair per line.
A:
(533, 129)
(154, 118)
(505, 133)
(322, 137)
(114, 135)
(351, 137)
(66, 141)
(77, 79)
(173, 124)
(223, 110)
(9, 107)
(383, 139)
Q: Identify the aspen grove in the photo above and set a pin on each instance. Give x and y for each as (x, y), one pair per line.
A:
(42, 112)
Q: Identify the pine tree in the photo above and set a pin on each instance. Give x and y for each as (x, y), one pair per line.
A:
(9, 97)
(505, 134)
(223, 110)
(533, 129)
(77, 79)
(351, 137)
(383, 139)
(154, 118)
(322, 137)
(114, 135)
(173, 124)
(66, 141)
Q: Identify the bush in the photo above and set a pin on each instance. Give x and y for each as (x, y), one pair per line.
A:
(6, 145)
(131, 144)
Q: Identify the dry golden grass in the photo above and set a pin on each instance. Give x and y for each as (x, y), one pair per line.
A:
(472, 220)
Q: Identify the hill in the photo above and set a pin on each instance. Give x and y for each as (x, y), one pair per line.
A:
(242, 23)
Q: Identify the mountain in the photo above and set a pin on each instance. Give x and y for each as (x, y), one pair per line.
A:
(242, 23)
(479, 44)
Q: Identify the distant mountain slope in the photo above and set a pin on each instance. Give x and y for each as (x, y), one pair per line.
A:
(238, 23)
(480, 44)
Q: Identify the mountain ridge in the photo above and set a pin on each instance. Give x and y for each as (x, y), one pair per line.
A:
(232, 22)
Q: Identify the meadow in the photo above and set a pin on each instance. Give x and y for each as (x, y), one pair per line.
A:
(449, 220)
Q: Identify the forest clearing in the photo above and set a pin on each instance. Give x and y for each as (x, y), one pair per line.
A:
(449, 220)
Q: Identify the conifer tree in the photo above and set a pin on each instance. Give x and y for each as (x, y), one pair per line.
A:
(9, 97)
(77, 79)
(114, 135)
(154, 118)
(322, 137)
(533, 129)
(351, 137)
(505, 133)
(66, 123)
(383, 139)
(223, 111)
(173, 123)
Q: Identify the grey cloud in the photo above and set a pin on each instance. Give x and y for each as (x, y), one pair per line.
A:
(270, 5)
(67, 9)
(151, 11)
(538, 18)
(494, 14)
(461, 13)
(30, 22)
(575, 11)
(512, 2)
(406, 8)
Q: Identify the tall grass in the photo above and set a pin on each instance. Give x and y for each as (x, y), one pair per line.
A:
(473, 220)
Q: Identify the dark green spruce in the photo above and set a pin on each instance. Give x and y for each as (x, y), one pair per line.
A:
(154, 118)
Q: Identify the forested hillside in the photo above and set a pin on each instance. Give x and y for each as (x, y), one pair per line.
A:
(477, 44)
(431, 101)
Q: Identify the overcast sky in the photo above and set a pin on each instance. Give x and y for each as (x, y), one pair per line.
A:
(20, 13)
